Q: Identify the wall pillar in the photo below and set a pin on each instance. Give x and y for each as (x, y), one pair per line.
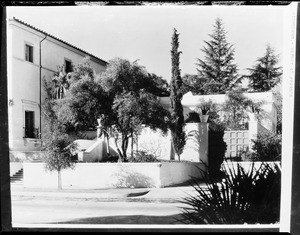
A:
(203, 141)
(196, 147)
(253, 130)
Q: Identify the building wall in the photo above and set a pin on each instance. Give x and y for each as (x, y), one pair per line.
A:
(195, 149)
(54, 53)
(23, 86)
(24, 77)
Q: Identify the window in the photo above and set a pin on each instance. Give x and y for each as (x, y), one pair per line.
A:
(29, 124)
(68, 66)
(29, 53)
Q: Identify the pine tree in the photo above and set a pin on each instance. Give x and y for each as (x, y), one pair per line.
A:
(265, 74)
(177, 118)
(217, 71)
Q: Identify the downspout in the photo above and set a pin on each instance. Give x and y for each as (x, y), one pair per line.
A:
(41, 86)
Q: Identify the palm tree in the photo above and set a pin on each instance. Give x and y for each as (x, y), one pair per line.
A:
(61, 83)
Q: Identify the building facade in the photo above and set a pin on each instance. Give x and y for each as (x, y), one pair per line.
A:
(34, 55)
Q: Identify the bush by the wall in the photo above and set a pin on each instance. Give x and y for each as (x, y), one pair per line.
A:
(192, 117)
(112, 158)
(246, 155)
(143, 156)
(267, 147)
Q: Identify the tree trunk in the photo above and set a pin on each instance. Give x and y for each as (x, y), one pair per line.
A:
(59, 183)
(119, 151)
(137, 144)
(132, 145)
(121, 157)
(125, 151)
(107, 146)
(172, 152)
(124, 147)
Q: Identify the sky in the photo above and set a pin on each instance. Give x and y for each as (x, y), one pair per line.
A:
(144, 33)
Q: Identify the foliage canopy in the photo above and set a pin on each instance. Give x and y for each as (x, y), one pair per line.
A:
(266, 73)
(123, 97)
(217, 72)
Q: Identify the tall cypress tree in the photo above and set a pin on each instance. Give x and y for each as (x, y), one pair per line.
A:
(177, 118)
(217, 68)
(266, 73)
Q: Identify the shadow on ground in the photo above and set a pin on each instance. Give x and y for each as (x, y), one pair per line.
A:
(127, 219)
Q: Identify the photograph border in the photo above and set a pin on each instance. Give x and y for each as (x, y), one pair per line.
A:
(291, 148)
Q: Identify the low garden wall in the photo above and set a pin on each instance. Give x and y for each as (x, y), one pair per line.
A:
(14, 167)
(17, 158)
(112, 175)
(173, 173)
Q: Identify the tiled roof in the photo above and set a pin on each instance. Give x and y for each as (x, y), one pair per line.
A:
(41, 31)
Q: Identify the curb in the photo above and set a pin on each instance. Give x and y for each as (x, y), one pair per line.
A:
(95, 198)
(171, 195)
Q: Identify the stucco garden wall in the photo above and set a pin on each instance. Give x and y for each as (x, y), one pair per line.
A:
(14, 167)
(111, 175)
(173, 173)
(17, 158)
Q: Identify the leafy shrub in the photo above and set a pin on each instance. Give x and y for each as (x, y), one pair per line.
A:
(246, 155)
(192, 117)
(60, 154)
(236, 107)
(241, 197)
(143, 156)
(112, 158)
(267, 147)
(204, 107)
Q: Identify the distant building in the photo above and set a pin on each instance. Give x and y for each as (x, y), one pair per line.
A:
(236, 140)
(32, 55)
(269, 120)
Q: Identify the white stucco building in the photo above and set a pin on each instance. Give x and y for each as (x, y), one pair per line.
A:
(236, 140)
(267, 99)
(32, 55)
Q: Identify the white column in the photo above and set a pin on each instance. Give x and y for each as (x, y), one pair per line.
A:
(196, 147)
(253, 127)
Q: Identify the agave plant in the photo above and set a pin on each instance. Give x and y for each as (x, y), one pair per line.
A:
(243, 196)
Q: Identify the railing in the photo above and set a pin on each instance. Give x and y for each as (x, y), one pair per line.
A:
(33, 134)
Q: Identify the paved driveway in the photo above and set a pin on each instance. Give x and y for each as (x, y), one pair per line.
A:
(28, 210)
